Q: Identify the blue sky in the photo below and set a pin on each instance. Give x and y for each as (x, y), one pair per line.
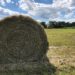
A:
(44, 1)
(41, 10)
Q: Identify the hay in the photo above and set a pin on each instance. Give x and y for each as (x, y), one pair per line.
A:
(21, 40)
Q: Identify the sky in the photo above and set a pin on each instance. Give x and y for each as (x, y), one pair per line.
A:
(41, 10)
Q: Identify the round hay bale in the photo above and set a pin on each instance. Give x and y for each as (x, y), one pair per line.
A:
(21, 40)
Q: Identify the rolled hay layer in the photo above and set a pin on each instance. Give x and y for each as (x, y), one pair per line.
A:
(23, 47)
(21, 40)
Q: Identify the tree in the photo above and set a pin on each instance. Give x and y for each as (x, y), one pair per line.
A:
(43, 24)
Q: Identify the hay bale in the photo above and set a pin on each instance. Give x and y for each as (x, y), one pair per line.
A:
(21, 40)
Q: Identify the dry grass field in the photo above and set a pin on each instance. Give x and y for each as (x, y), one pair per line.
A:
(61, 51)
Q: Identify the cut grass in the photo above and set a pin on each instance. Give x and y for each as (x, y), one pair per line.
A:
(62, 50)
(61, 37)
(72, 72)
(62, 56)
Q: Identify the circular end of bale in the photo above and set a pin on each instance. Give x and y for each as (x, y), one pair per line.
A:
(22, 39)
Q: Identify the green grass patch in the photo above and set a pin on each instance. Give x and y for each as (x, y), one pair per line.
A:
(61, 37)
(71, 72)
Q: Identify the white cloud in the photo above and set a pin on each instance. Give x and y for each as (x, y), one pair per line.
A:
(8, 11)
(59, 9)
(3, 2)
(72, 3)
(26, 5)
(44, 12)
(8, 1)
(61, 3)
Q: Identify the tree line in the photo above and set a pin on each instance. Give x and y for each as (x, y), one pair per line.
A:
(59, 24)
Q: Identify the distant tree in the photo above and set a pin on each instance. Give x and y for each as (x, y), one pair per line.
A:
(54, 24)
(60, 24)
(43, 24)
(51, 24)
(73, 24)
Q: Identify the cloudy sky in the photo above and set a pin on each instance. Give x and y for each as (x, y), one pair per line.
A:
(44, 10)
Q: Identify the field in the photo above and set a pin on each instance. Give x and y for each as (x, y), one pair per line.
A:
(61, 37)
(61, 51)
